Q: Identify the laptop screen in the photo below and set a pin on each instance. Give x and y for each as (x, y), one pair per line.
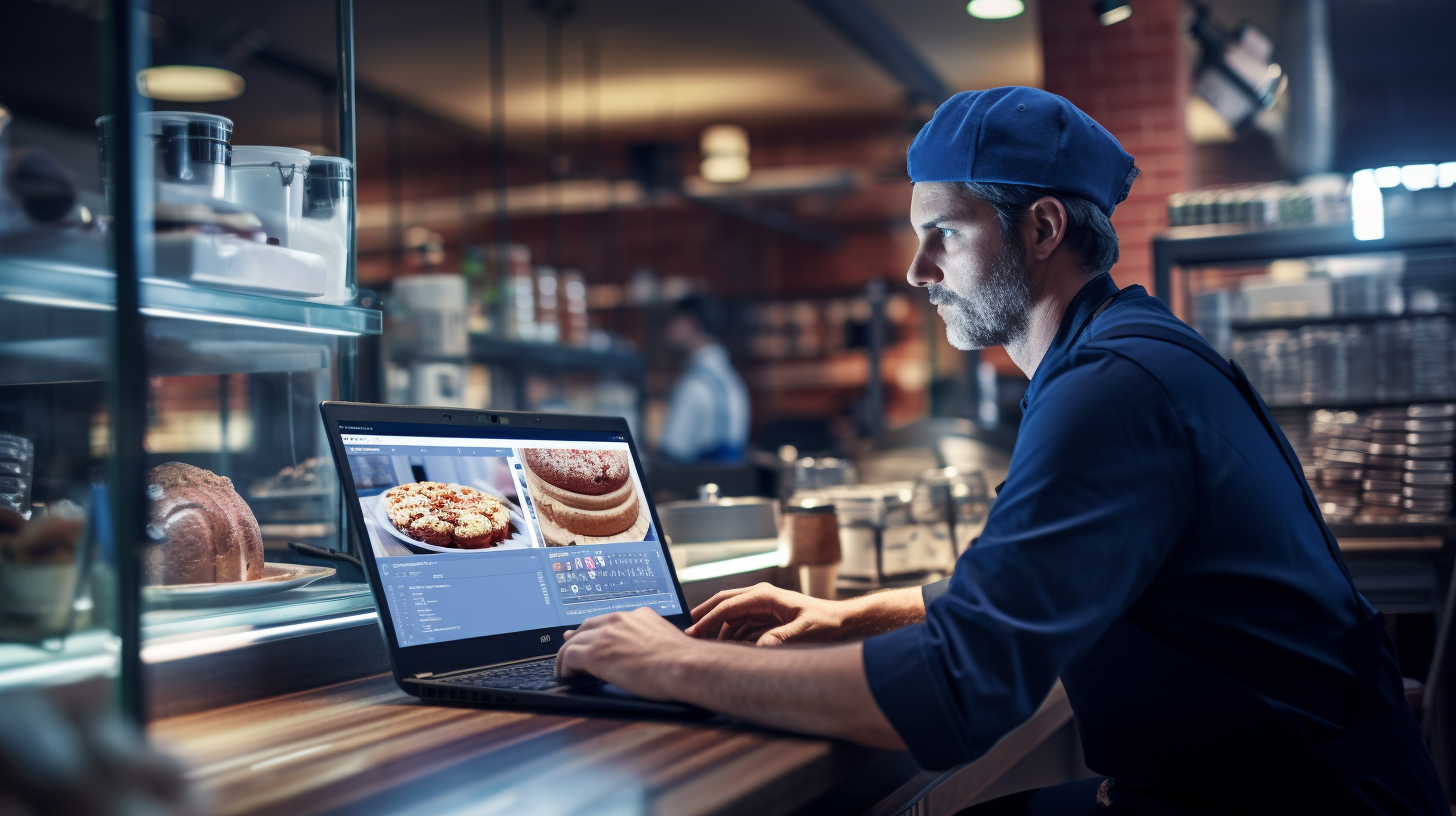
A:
(505, 530)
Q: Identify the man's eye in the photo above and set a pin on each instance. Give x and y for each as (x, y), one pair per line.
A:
(946, 232)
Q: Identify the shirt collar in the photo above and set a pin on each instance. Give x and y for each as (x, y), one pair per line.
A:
(1074, 322)
(712, 354)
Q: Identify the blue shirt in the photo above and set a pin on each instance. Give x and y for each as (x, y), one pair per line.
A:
(1142, 485)
(708, 413)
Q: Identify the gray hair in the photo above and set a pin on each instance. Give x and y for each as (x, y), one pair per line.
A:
(1089, 230)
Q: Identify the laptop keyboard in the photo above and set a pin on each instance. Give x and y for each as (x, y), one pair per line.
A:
(537, 675)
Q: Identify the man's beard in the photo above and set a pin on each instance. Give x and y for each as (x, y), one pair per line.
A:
(997, 312)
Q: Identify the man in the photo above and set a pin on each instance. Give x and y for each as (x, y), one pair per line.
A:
(1155, 545)
(707, 415)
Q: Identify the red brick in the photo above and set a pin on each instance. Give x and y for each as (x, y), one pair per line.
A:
(1131, 78)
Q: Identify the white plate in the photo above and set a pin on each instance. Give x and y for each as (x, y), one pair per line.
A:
(276, 578)
(518, 541)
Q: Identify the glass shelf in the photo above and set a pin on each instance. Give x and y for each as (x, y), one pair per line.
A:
(61, 285)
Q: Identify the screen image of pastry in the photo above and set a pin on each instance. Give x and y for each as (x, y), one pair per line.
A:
(448, 515)
(585, 496)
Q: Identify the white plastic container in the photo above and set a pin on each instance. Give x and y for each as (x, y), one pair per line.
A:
(435, 305)
(188, 160)
(269, 182)
(328, 197)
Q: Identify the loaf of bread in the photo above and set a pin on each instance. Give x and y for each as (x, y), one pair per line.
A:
(207, 533)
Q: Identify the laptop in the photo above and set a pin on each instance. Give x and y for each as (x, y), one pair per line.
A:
(488, 534)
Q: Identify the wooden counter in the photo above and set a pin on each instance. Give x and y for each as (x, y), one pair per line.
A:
(365, 747)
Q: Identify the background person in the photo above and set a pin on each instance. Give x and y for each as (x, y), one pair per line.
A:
(708, 412)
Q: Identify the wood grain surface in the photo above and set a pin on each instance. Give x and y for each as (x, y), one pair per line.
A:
(365, 747)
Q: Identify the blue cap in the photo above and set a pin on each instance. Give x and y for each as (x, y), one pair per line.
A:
(1022, 136)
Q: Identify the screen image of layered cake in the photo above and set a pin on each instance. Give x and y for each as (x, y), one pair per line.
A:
(585, 496)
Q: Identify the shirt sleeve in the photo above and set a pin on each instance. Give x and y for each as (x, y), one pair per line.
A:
(1100, 488)
(930, 592)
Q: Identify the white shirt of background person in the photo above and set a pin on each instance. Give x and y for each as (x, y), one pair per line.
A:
(707, 414)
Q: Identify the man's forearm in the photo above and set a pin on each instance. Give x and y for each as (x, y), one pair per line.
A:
(817, 690)
(882, 612)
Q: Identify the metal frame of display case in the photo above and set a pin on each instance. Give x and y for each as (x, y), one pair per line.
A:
(139, 298)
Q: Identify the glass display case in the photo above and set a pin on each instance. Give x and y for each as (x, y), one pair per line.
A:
(171, 315)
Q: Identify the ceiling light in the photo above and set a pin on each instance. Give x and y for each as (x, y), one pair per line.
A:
(724, 169)
(1387, 176)
(725, 154)
(1367, 210)
(995, 9)
(1418, 176)
(1446, 174)
(1111, 12)
(189, 83)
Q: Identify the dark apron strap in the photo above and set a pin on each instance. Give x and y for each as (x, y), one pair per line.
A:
(1231, 370)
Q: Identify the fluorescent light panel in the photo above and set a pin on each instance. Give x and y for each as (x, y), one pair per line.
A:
(189, 83)
(1367, 207)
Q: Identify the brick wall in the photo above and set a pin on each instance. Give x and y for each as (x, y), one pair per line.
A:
(1133, 79)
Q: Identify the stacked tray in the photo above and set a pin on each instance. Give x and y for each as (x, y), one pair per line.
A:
(1389, 465)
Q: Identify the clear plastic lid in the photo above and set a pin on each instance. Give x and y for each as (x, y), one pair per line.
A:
(265, 155)
(326, 185)
(330, 167)
(193, 123)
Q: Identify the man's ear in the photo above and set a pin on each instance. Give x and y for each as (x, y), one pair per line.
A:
(1049, 225)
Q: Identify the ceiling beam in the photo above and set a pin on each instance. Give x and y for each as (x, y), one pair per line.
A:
(872, 34)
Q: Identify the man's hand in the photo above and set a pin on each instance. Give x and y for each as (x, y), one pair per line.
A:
(769, 616)
(814, 691)
(635, 651)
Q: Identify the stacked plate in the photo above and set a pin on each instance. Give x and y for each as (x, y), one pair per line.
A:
(1387, 465)
(1426, 482)
(1339, 445)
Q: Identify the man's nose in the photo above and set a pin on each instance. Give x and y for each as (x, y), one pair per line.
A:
(922, 272)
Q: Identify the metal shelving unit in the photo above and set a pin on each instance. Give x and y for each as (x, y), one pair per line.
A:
(494, 351)
(517, 360)
(1226, 244)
